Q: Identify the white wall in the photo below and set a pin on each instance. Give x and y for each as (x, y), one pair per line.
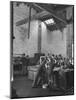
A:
(53, 41)
(21, 42)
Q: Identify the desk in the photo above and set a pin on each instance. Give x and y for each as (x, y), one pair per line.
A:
(32, 71)
(65, 70)
(63, 78)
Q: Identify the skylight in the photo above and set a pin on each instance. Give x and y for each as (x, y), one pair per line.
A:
(50, 21)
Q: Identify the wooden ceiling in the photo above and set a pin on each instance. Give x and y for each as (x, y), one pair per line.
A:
(55, 7)
(46, 11)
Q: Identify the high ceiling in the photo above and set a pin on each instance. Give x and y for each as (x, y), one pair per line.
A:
(46, 11)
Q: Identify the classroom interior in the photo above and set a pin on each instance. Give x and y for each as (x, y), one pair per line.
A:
(38, 31)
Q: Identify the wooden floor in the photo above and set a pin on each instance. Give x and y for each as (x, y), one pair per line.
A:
(24, 88)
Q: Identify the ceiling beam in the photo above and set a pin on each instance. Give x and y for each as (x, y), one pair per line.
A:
(36, 16)
(50, 11)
